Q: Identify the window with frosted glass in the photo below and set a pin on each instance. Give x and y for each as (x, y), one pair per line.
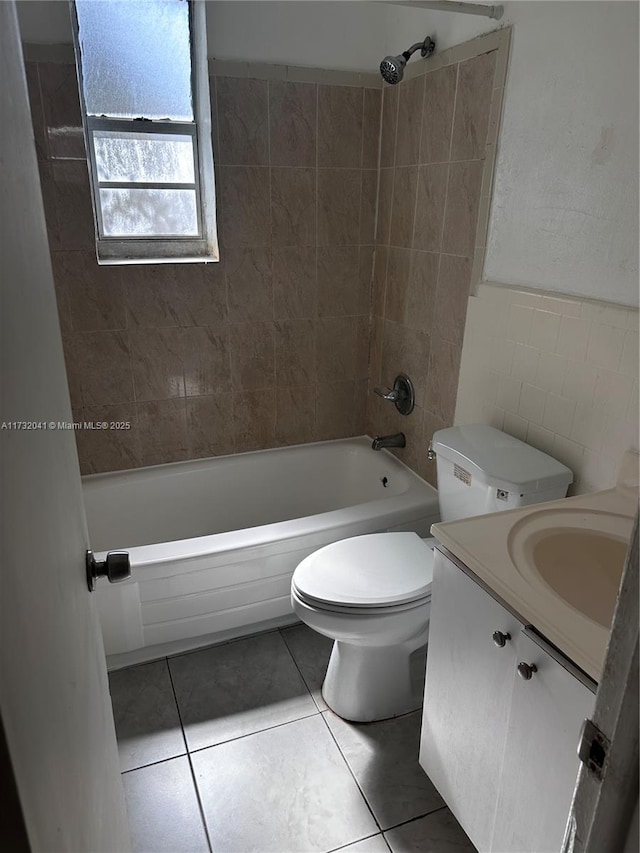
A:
(141, 124)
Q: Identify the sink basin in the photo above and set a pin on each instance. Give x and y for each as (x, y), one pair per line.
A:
(579, 554)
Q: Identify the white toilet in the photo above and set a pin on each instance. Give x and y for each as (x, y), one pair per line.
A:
(372, 593)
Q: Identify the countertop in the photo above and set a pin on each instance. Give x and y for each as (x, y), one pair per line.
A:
(481, 543)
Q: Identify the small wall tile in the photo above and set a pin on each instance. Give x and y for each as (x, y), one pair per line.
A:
(338, 277)
(371, 128)
(389, 125)
(605, 346)
(156, 358)
(551, 372)
(340, 112)
(430, 207)
(294, 282)
(473, 104)
(411, 96)
(254, 419)
(463, 199)
(437, 116)
(244, 206)
(209, 427)
(292, 123)
(293, 207)
(252, 356)
(532, 403)
(104, 369)
(544, 330)
(525, 363)
(403, 207)
(162, 431)
(558, 414)
(295, 352)
(243, 131)
(338, 207)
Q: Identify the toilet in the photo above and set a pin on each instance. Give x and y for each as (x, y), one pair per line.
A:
(371, 594)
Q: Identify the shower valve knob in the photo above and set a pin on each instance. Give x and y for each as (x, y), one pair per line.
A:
(115, 568)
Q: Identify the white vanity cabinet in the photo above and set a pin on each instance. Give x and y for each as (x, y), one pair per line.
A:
(500, 748)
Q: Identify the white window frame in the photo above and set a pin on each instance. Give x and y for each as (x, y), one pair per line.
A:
(161, 249)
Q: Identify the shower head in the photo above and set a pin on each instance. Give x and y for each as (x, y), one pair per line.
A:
(392, 67)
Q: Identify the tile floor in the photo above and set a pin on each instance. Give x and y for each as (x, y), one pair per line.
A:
(231, 749)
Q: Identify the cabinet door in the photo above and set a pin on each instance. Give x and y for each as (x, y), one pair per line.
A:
(467, 694)
(540, 758)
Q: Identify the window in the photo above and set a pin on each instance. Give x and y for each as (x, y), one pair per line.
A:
(144, 91)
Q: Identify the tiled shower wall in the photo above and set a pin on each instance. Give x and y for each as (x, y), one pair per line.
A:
(268, 347)
(439, 133)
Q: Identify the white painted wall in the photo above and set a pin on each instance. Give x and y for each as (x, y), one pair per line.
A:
(565, 204)
(54, 694)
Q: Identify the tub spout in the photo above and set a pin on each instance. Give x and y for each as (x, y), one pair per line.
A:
(397, 440)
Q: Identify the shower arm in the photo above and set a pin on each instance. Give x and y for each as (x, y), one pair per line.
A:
(411, 50)
(453, 6)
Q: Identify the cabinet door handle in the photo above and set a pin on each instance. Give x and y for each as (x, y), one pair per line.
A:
(500, 638)
(526, 670)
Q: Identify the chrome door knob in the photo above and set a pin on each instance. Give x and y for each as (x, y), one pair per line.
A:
(526, 670)
(499, 638)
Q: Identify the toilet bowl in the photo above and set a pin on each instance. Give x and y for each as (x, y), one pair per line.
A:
(371, 595)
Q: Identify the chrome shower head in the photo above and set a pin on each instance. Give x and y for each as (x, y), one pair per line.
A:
(392, 67)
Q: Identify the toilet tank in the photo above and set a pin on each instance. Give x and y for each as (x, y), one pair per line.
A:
(481, 470)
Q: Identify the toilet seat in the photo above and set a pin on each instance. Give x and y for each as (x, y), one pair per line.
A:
(375, 573)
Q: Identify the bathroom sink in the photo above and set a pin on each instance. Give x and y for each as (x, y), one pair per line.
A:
(578, 553)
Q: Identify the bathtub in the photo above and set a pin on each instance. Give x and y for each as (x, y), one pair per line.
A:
(213, 542)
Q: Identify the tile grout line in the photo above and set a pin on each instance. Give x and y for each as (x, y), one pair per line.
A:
(353, 775)
(295, 662)
(193, 775)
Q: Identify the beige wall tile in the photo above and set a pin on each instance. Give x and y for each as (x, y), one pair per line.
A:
(74, 214)
(294, 282)
(463, 199)
(403, 206)
(37, 110)
(162, 429)
(338, 207)
(340, 113)
(437, 116)
(432, 193)
(243, 130)
(411, 96)
(380, 280)
(206, 361)
(389, 125)
(244, 206)
(338, 281)
(63, 122)
(385, 198)
(208, 425)
(368, 206)
(95, 294)
(293, 207)
(104, 367)
(473, 105)
(336, 349)
(398, 270)
(442, 383)
(295, 342)
(295, 414)
(452, 296)
(292, 123)
(109, 449)
(335, 410)
(249, 284)
(407, 351)
(157, 363)
(421, 291)
(252, 356)
(371, 128)
(254, 420)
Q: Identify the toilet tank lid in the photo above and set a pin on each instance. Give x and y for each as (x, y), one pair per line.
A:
(501, 459)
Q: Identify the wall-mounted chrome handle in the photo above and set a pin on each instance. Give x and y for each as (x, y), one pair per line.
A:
(389, 394)
(501, 639)
(115, 568)
(402, 395)
(431, 454)
(526, 670)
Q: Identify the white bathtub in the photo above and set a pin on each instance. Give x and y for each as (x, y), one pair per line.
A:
(213, 543)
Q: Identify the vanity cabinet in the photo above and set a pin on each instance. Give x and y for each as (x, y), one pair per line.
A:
(499, 747)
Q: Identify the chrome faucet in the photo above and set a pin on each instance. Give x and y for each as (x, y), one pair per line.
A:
(396, 440)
